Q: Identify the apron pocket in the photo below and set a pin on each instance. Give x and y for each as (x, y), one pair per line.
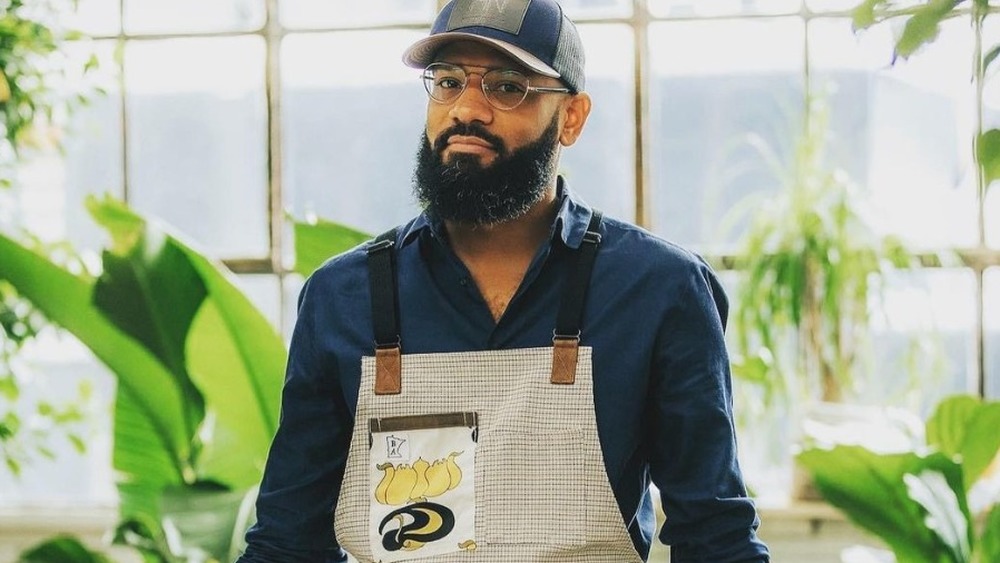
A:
(531, 492)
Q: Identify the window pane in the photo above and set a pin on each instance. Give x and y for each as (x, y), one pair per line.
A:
(841, 5)
(687, 8)
(197, 139)
(937, 309)
(992, 337)
(183, 16)
(903, 131)
(264, 291)
(601, 165)
(579, 9)
(344, 13)
(53, 367)
(96, 17)
(55, 185)
(706, 100)
(351, 122)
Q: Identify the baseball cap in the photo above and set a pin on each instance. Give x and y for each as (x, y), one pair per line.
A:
(537, 33)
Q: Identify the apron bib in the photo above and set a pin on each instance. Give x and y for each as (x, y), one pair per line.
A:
(489, 456)
(540, 491)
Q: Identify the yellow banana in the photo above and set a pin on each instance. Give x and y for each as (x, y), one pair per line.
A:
(383, 485)
(402, 484)
(454, 471)
(420, 467)
(437, 479)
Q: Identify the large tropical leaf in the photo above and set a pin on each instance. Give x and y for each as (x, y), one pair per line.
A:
(872, 491)
(65, 298)
(61, 549)
(989, 542)
(153, 428)
(967, 427)
(319, 239)
(233, 354)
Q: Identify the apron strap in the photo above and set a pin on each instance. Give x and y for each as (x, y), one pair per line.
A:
(566, 337)
(385, 313)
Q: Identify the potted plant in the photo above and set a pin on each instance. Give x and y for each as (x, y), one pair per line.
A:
(937, 501)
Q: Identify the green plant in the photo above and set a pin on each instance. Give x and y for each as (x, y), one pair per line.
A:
(812, 265)
(924, 504)
(61, 549)
(199, 368)
(37, 93)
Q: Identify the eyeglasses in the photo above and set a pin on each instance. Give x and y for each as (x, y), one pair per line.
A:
(504, 89)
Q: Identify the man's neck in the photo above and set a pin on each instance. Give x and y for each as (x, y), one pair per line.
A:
(498, 256)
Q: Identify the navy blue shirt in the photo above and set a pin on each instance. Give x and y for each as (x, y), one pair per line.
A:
(654, 316)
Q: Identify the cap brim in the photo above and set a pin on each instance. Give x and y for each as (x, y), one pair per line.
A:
(421, 53)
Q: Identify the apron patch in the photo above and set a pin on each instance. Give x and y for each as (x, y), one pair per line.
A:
(422, 483)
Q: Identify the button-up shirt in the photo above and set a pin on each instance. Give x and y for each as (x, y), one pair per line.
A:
(654, 316)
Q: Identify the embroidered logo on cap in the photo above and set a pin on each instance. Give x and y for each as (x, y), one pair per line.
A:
(503, 15)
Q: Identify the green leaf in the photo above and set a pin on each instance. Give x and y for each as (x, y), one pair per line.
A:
(316, 241)
(989, 57)
(65, 298)
(988, 154)
(61, 549)
(870, 490)
(234, 356)
(923, 27)
(989, 542)
(944, 513)
(966, 426)
(863, 15)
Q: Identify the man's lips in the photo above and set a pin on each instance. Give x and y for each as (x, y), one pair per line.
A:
(470, 144)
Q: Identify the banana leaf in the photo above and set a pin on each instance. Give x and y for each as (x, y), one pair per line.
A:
(154, 428)
(232, 354)
(317, 240)
(916, 504)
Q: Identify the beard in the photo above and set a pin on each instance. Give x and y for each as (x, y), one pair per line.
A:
(464, 191)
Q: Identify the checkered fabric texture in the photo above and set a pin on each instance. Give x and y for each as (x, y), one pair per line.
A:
(542, 494)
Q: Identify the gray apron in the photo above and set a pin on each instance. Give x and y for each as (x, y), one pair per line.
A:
(488, 456)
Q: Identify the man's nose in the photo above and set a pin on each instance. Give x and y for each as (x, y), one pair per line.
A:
(472, 104)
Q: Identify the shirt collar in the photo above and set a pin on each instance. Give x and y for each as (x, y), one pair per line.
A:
(569, 226)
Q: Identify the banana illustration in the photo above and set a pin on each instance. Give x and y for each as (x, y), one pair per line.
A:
(420, 466)
(380, 491)
(454, 471)
(468, 545)
(401, 485)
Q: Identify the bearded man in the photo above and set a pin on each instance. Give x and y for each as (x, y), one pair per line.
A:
(502, 378)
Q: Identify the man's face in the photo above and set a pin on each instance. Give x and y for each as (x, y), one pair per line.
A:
(481, 165)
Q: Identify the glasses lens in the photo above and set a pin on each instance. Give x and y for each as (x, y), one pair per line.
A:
(444, 82)
(505, 89)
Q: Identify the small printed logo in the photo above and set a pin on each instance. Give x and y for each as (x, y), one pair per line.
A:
(396, 447)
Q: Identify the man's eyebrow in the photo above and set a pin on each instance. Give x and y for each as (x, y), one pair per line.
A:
(486, 68)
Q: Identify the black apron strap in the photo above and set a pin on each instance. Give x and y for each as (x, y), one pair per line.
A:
(566, 338)
(385, 313)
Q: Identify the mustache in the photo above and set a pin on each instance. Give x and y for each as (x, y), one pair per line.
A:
(473, 129)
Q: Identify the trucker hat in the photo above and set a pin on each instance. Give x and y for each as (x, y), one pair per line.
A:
(537, 33)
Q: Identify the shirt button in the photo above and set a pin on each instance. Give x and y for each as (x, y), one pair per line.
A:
(464, 282)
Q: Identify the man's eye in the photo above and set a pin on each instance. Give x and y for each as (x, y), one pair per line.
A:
(508, 87)
(448, 83)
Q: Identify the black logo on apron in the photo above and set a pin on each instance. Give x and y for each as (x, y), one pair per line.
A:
(416, 525)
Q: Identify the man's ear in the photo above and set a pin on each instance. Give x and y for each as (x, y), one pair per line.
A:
(575, 111)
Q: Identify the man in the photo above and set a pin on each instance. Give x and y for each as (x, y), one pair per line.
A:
(501, 378)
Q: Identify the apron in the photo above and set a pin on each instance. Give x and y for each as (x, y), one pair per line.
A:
(489, 456)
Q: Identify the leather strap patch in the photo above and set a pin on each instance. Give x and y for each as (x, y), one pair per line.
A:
(564, 358)
(388, 371)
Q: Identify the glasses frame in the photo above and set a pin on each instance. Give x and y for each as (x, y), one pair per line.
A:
(425, 75)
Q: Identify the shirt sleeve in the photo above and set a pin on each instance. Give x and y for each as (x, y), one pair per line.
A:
(693, 455)
(305, 464)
